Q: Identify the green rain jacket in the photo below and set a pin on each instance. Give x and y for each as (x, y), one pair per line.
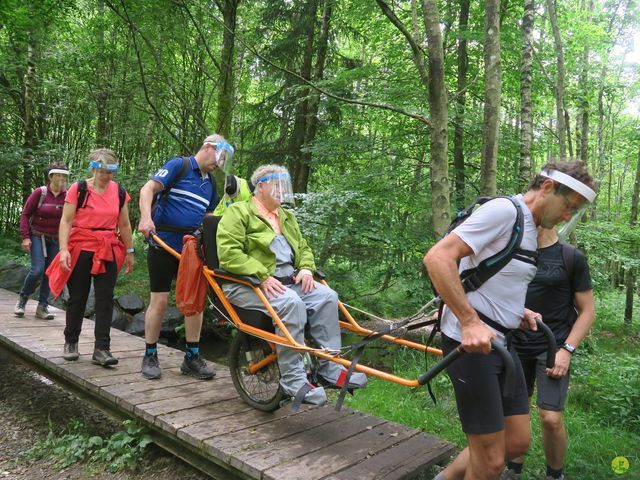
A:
(244, 237)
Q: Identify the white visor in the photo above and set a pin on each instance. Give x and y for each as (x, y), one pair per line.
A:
(570, 182)
(58, 170)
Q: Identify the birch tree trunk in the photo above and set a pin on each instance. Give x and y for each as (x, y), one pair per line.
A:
(492, 91)
(560, 118)
(458, 137)
(438, 120)
(29, 116)
(526, 105)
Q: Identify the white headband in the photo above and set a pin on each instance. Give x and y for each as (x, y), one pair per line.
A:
(58, 170)
(567, 180)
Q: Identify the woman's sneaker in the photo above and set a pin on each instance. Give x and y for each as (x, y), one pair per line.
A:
(71, 351)
(103, 357)
(18, 311)
(43, 313)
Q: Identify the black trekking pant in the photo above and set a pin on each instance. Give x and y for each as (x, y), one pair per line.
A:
(79, 285)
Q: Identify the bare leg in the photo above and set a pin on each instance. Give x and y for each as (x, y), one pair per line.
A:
(155, 314)
(192, 327)
(554, 438)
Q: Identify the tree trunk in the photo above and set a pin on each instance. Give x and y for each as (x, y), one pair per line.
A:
(492, 91)
(29, 117)
(225, 95)
(302, 100)
(526, 105)
(458, 137)
(631, 275)
(438, 120)
(560, 120)
(314, 101)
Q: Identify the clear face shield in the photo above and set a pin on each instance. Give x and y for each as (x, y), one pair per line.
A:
(224, 154)
(280, 184)
(565, 229)
(109, 167)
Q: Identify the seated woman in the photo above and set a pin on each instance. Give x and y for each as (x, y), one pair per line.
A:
(258, 238)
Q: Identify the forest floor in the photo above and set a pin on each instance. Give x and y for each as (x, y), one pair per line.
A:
(28, 402)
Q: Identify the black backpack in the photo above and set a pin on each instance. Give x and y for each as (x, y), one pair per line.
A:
(83, 194)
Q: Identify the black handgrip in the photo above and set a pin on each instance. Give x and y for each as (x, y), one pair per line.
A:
(551, 343)
(448, 359)
(453, 355)
(510, 369)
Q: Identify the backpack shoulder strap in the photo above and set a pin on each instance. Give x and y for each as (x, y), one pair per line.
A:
(473, 278)
(122, 195)
(43, 194)
(569, 260)
(83, 193)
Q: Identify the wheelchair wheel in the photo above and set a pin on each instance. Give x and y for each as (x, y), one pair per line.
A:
(261, 390)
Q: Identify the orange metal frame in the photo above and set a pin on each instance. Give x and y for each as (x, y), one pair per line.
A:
(287, 340)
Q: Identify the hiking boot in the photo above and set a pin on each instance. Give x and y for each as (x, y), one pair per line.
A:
(71, 351)
(151, 367)
(103, 357)
(509, 474)
(43, 313)
(196, 367)
(18, 311)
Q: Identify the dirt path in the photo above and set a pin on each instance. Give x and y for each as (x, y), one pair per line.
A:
(27, 401)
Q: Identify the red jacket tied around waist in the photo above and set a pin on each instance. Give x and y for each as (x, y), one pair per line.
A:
(106, 245)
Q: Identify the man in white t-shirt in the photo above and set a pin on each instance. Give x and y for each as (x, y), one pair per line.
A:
(497, 427)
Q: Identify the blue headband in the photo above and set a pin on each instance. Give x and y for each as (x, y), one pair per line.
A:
(109, 167)
(272, 176)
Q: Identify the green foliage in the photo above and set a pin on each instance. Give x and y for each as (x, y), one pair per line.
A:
(11, 252)
(74, 444)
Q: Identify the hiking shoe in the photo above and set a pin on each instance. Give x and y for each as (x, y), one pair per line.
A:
(71, 351)
(509, 474)
(43, 313)
(151, 367)
(18, 311)
(103, 357)
(196, 367)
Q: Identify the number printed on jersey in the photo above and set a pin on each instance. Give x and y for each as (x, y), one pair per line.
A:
(161, 173)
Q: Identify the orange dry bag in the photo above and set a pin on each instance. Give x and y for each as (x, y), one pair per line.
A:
(191, 285)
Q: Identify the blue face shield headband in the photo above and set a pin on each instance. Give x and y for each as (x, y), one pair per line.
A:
(224, 153)
(281, 188)
(109, 167)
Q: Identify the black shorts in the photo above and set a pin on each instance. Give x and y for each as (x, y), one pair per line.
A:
(477, 381)
(552, 392)
(163, 268)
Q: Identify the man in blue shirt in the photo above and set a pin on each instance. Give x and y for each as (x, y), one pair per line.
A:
(184, 196)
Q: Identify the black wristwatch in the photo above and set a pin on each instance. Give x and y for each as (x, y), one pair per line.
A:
(569, 348)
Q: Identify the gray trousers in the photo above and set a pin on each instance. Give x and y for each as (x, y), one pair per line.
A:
(319, 308)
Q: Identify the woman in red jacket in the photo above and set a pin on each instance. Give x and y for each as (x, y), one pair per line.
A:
(95, 241)
(39, 224)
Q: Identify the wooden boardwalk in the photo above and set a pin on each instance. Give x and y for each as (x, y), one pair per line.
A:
(205, 422)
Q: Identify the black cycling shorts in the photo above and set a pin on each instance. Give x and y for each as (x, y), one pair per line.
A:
(552, 392)
(477, 382)
(163, 268)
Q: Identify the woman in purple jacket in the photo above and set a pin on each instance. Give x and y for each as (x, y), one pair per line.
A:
(39, 224)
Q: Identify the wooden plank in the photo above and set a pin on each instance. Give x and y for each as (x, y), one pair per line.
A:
(407, 460)
(174, 421)
(261, 457)
(335, 457)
